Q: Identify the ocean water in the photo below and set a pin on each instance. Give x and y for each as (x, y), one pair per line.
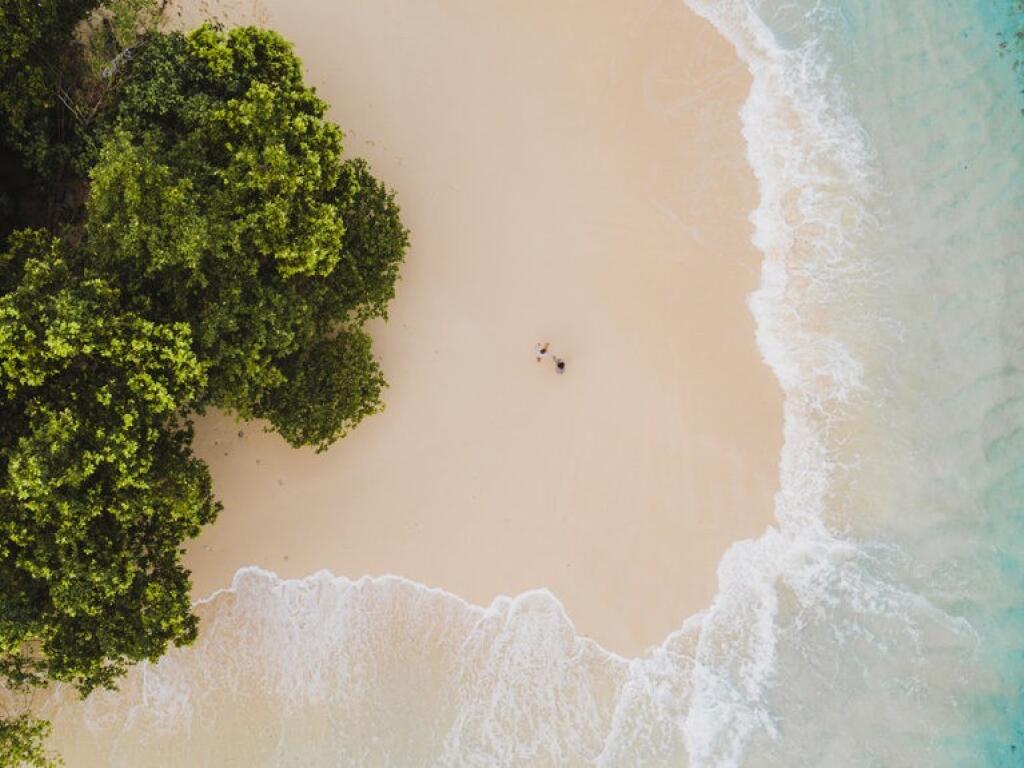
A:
(879, 623)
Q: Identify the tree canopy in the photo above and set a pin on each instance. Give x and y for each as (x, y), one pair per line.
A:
(221, 252)
(22, 742)
(37, 51)
(101, 488)
(38, 41)
(220, 199)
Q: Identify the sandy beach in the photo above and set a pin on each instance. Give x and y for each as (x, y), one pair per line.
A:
(567, 176)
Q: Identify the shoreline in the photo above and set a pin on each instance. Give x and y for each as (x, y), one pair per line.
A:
(383, 580)
(616, 487)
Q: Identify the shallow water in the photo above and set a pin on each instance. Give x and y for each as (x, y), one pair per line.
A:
(877, 625)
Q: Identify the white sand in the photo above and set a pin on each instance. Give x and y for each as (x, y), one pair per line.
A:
(571, 171)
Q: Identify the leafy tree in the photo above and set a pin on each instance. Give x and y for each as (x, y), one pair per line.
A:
(37, 41)
(329, 387)
(22, 741)
(100, 487)
(220, 199)
(58, 67)
(373, 246)
(37, 47)
(226, 256)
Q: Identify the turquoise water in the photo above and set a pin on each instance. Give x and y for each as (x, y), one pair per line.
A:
(889, 140)
(912, 202)
(880, 623)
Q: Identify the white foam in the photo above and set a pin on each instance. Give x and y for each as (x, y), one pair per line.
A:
(818, 187)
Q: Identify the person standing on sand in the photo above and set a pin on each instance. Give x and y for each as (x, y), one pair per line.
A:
(559, 365)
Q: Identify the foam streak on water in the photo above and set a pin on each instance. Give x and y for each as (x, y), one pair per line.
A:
(876, 625)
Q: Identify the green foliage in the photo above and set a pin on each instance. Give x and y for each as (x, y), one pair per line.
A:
(226, 256)
(220, 199)
(59, 65)
(37, 43)
(37, 49)
(118, 27)
(109, 38)
(100, 487)
(212, 201)
(329, 388)
(373, 247)
(21, 742)
(227, 114)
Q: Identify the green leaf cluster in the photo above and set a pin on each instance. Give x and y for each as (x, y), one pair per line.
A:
(217, 251)
(22, 742)
(100, 484)
(220, 199)
(36, 46)
(37, 136)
